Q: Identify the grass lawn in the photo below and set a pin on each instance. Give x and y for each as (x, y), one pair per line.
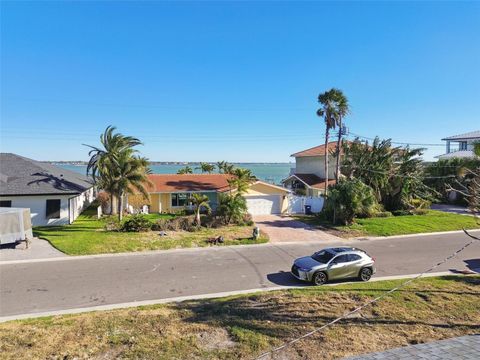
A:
(87, 236)
(433, 221)
(242, 327)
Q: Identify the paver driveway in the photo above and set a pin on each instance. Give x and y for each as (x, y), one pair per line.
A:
(287, 229)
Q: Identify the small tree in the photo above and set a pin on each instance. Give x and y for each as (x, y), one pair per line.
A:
(232, 207)
(206, 168)
(186, 170)
(225, 167)
(200, 201)
(348, 199)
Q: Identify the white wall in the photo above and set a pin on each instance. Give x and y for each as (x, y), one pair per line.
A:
(38, 206)
(315, 165)
(80, 202)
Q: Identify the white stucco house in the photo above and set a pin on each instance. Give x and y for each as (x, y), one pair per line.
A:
(308, 177)
(460, 146)
(55, 196)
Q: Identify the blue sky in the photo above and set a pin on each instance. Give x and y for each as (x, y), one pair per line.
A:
(233, 80)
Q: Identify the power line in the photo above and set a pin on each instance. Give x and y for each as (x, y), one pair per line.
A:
(397, 142)
(376, 299)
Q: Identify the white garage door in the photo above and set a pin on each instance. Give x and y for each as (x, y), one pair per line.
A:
(263, 205)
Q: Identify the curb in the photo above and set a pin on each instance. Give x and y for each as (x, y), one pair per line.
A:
(198, 297)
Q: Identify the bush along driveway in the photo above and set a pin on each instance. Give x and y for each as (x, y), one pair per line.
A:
(432, 221)
(88, 235)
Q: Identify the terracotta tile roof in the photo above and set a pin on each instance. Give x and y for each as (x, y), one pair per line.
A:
(189, 182)
(317, 150)
(314, 181)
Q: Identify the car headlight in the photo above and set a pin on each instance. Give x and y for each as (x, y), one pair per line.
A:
(304, 269)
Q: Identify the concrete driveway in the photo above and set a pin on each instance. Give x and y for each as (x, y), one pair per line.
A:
(283, 229)
(38, 249)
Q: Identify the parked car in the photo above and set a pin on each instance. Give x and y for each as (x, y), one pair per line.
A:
(334, 264)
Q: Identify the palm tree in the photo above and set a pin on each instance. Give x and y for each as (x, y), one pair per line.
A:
(342, 109)
(186, 170)
(206, 168)
(328, 113)
(200, 201)
(241, 180)
(225, 167)
(232, 207)
(131, 176)
(102, 164)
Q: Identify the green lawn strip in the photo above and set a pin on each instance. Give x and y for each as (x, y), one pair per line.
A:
(243, 326)
(87, 236)
(433, 221)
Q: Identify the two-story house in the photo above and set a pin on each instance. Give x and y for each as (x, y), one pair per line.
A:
(460, 146)
(308, 177)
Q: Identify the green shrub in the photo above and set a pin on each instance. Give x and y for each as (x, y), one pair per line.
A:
(420, 211)
(420, 204)
(383, 214)
(112, 224)
(232, 208)
(401, 212)
(349, 199)
(136, 223)
(185, 223)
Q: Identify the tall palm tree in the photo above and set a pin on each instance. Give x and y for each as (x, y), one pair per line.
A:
(131, 176)
(102, 164)
(342, 109)
(206, 168)
(328, 113)
(200, 201)
(186, 170)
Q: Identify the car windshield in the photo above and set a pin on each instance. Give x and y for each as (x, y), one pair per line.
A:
(322, 256)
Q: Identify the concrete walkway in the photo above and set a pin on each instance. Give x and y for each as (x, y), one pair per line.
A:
(282, 229)
(465, 347)
(38, 249)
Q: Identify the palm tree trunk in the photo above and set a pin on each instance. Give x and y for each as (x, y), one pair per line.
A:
(111, 204)
(326, 159)
(197, 216)
(337, 167)
(120, 206)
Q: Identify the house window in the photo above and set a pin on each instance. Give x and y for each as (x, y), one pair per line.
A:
(179, 199)
(53, 209)
(5, 203)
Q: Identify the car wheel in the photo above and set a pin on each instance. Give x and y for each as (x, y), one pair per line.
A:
(319, 278)
(365, 274)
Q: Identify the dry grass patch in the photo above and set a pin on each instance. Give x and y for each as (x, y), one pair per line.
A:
(241, 327)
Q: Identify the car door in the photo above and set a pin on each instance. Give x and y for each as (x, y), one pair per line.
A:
(354, 265)
(337, 268)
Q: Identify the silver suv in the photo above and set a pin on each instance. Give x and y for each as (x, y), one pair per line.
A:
(334, 264)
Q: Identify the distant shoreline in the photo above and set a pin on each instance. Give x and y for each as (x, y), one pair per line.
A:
(84, 163)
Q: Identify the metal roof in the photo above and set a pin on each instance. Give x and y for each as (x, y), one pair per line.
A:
(467, 136)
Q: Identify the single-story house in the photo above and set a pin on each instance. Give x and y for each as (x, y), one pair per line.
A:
(169, 193)
(55, 196)
(308, 177)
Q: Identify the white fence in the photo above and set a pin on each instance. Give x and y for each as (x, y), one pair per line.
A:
(296, 204)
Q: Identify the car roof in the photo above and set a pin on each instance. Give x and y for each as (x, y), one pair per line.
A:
(344, 249)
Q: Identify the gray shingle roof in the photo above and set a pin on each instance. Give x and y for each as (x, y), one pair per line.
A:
(23, 176)
(466, 136)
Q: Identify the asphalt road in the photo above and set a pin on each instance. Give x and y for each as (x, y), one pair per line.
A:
(34, 287)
